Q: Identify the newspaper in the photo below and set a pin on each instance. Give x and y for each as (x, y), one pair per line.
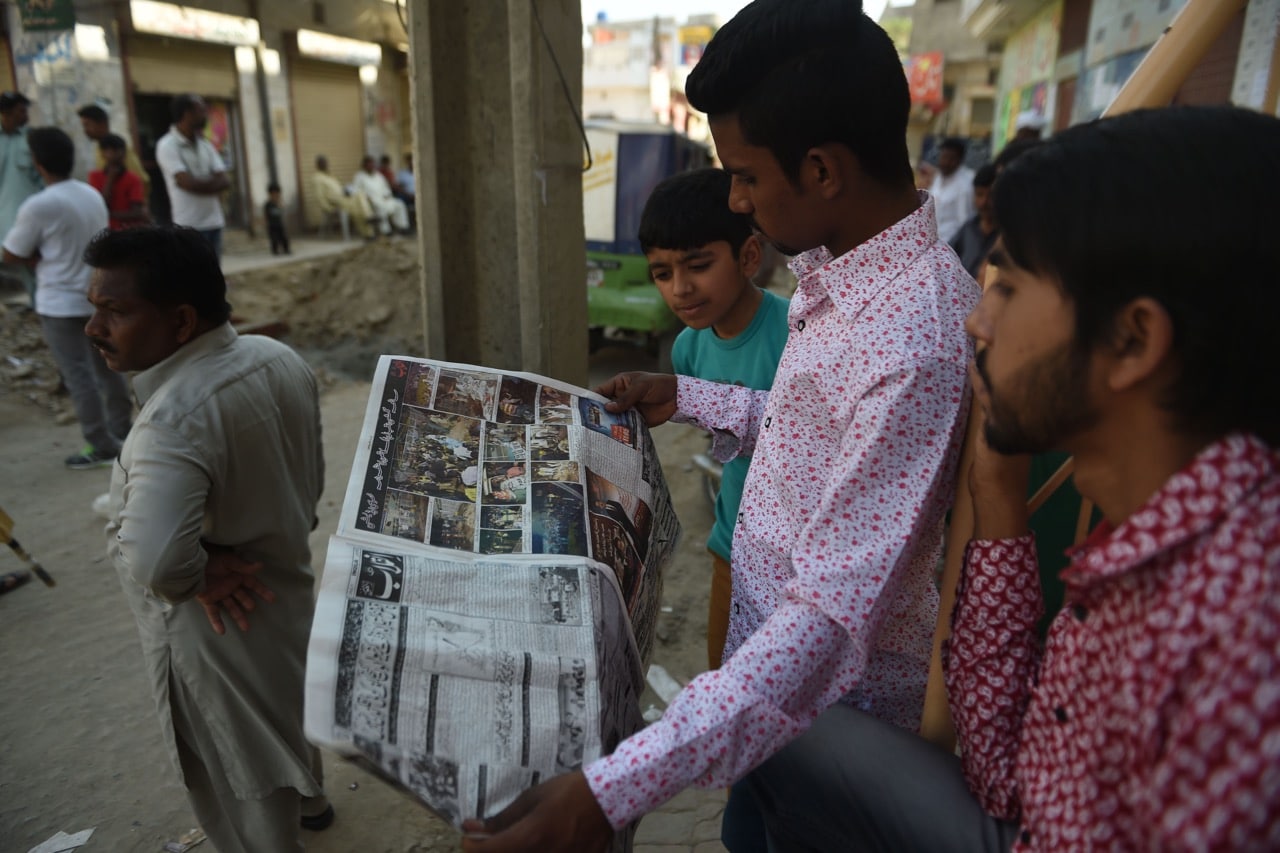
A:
(488, 602)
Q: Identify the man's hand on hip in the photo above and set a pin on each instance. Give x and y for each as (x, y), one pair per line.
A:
(230, 585)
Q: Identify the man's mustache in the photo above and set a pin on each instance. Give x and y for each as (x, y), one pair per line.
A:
(101, 344)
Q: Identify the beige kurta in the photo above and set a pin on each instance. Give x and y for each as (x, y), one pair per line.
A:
(226, 449)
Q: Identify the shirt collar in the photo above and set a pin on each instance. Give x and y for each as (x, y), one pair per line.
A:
(147, 382)
(854, 278)
(1190, 503)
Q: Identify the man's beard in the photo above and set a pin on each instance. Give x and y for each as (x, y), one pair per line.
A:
(1042, 405)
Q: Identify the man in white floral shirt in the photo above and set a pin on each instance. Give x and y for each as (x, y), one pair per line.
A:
(854, 449)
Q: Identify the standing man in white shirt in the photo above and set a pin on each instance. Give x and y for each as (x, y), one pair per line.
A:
(194, 174)
(50, 232)
(952, 189)
(387, 209)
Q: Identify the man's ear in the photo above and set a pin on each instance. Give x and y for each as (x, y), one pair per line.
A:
(828, 170)
(749, 256)
(185, 322)
(1141, 343)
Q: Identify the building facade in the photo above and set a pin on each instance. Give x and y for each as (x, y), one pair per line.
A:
(1067, 59)
(285, 82)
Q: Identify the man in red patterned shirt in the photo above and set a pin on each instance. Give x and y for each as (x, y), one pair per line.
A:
(1131, 323)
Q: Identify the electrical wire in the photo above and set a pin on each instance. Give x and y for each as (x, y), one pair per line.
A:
(564, 85)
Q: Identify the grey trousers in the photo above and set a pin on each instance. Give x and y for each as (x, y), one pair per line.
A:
(852, 782)
(99, 395)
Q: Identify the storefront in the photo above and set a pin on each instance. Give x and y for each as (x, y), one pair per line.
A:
(176, 50)
(328, 76)
(1026, 71)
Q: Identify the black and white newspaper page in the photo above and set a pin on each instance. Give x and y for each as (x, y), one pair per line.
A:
(488, 603)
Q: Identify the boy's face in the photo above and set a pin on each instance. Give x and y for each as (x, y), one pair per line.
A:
(113, 156)
(780, 210)
(274, 195)
(707, 286)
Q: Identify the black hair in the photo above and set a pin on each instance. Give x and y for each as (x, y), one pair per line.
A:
(171, 266)
(690, 210)
(1177, 208)
(954, 143)
(52, 150)
(385, 158)
(985, 176)
(181, 105)
(112, 142)
(1014, 150)
(93, 112)
(9, 100)
(801, 74)
(273, 187)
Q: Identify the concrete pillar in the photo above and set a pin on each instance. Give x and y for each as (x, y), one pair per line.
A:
(499, 158)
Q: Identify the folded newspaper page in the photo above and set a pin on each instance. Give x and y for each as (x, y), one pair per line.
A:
(488, 602)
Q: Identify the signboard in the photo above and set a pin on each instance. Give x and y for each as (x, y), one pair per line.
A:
(924, 78)
(600, 186)
(166, 19)
(693, 41)
(338, 49)
(45, 15)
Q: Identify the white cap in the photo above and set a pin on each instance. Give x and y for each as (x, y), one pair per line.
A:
(1029, 120)
(470, 475)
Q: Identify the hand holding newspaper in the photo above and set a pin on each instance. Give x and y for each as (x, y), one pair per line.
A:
(488, 602)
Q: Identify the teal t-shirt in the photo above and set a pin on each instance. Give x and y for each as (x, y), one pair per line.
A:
(750, 359)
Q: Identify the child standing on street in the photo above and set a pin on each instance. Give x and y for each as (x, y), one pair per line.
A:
(121, 189)
(274, 215)
(702, 257)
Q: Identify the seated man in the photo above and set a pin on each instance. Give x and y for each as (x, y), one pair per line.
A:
(331, 196)
(387, 209)
(1129, 329)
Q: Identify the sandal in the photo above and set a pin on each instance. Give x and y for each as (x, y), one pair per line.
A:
(13, 580)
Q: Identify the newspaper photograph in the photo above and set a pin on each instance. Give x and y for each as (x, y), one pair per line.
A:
(488, 603)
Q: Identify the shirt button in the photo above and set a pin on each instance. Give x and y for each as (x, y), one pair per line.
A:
(800, 326)
(768, 421)
(1079, 611)
(1061, 713)
(740, 518)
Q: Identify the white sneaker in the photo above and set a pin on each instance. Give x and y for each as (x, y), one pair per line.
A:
(102, 505)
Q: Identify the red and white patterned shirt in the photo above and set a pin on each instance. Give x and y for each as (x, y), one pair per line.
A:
(839, 530)
(1152, 720)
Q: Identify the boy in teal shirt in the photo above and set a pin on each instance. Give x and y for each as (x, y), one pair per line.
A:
(702, 257)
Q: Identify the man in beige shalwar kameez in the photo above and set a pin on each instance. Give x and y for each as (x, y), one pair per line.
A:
(212, 501)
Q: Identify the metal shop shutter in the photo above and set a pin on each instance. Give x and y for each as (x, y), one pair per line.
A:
(174, 66)
(328, 119)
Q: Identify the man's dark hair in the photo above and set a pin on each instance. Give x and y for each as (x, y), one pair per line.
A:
(171, 266)
(1177, 208)
(985, 176)
(93, 112)
(385, 159)
(52, 150)
(9, 100)
(112, 142)
(181, 105)
(273, 187)
(798, 74)
(690, 210)
(954, 143)
(1014, 150)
